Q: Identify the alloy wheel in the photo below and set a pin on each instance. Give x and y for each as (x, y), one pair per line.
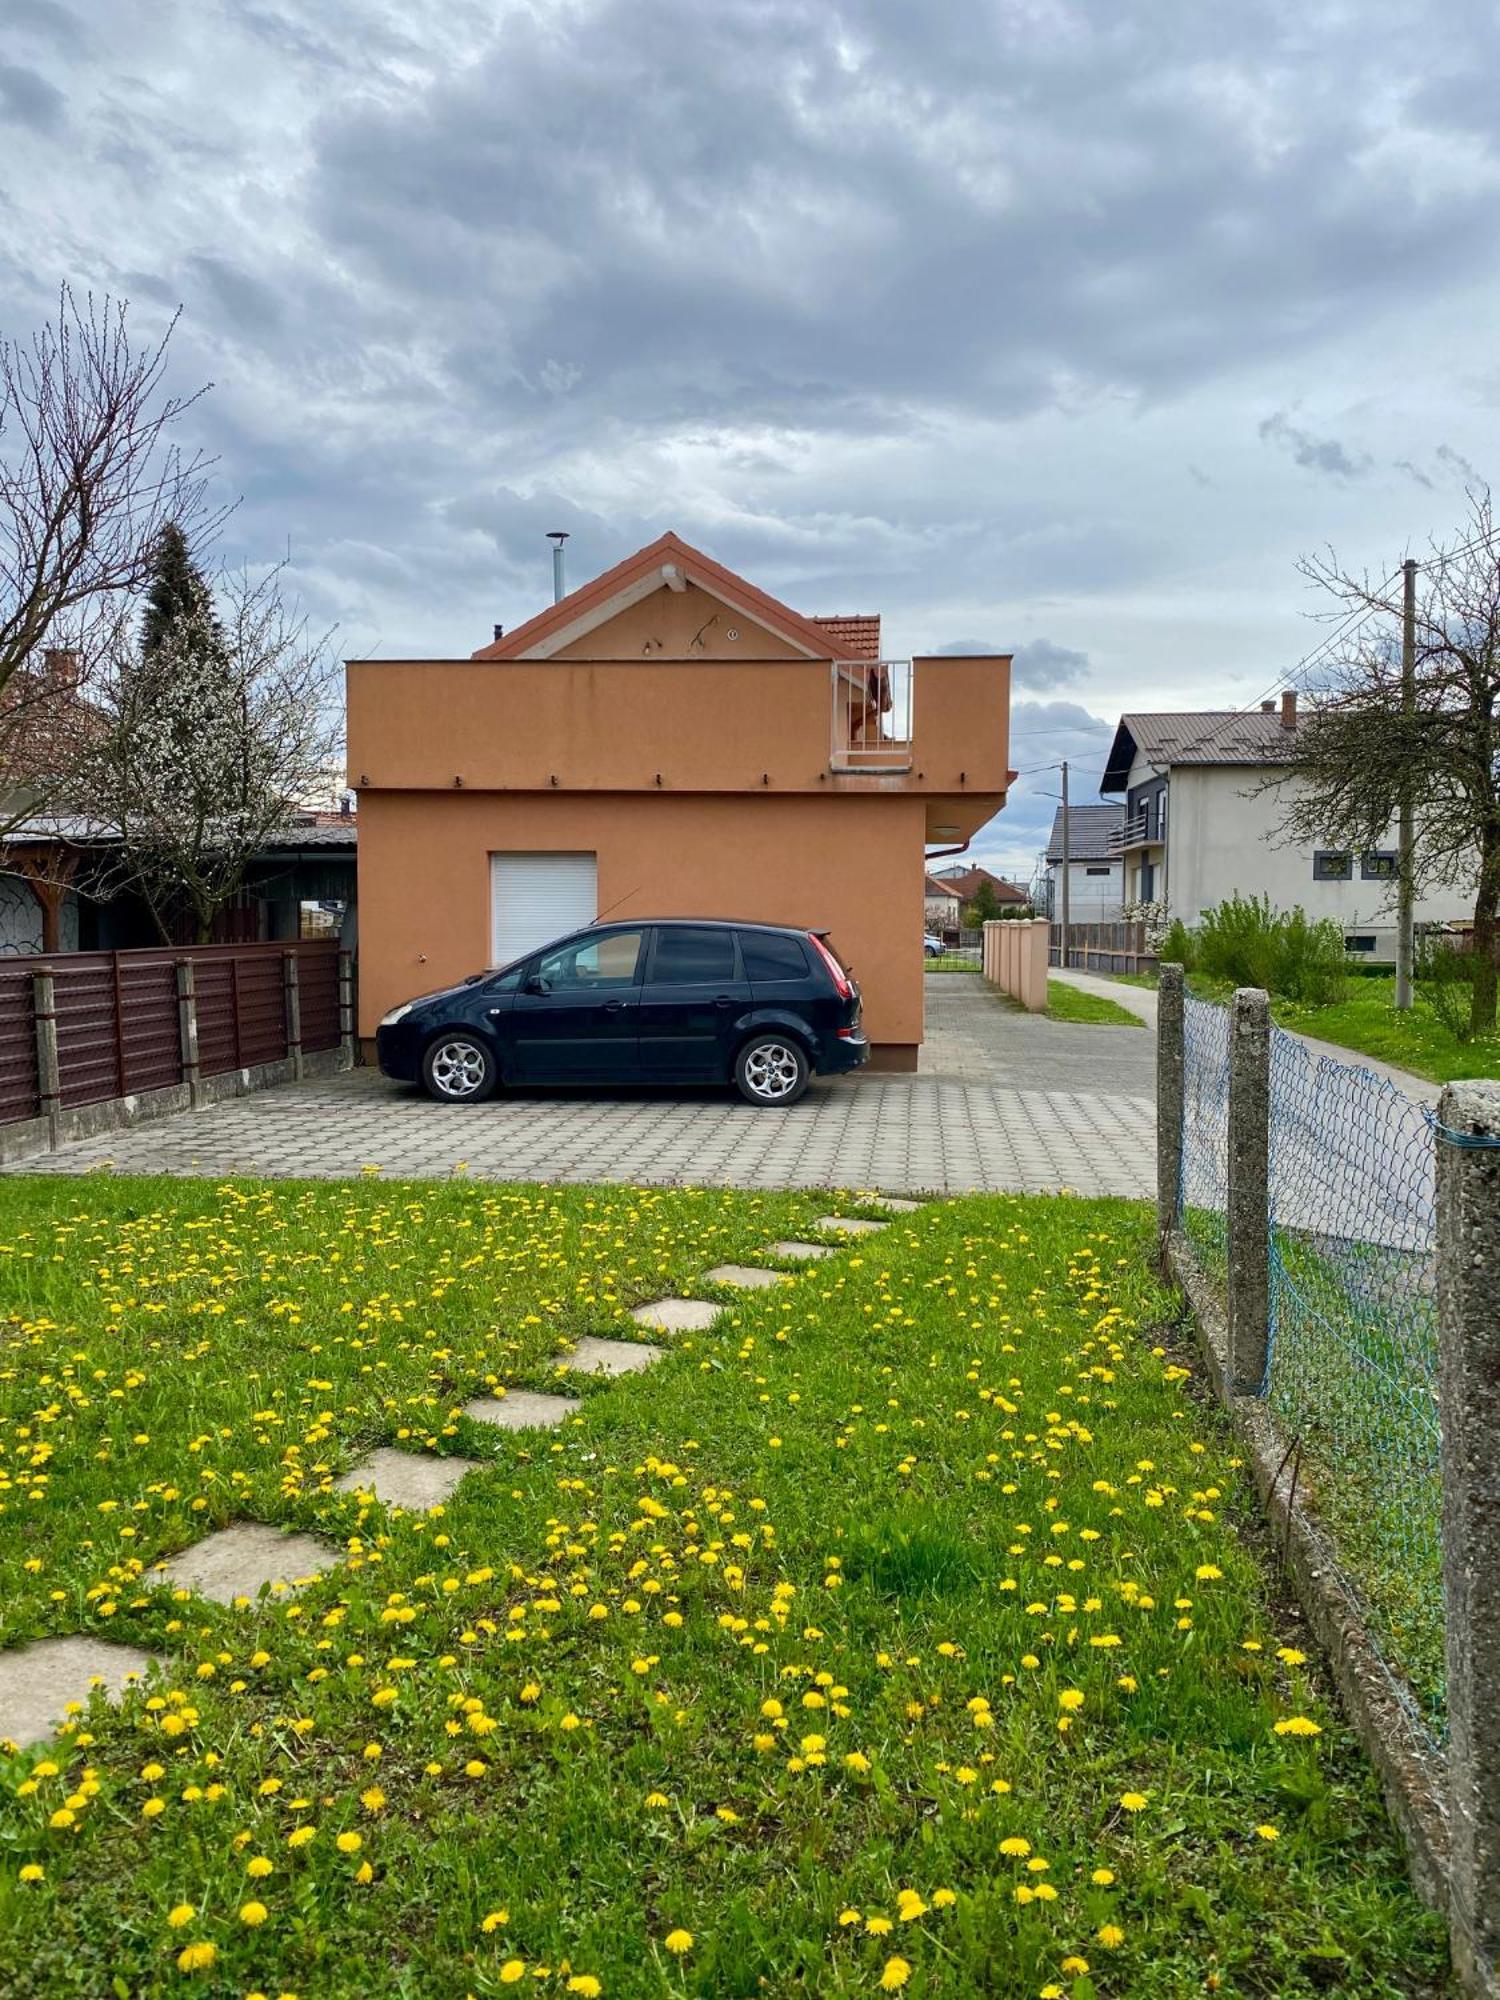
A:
(772, 1071)
(457, 1069)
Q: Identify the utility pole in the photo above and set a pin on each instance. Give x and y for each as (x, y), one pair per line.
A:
(1406, 838)
(1062, 956)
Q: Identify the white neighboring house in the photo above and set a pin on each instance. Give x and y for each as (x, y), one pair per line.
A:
(1096, 870)
(1198, 828)
(939, 905)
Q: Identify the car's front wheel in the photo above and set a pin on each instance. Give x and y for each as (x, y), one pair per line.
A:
(459, 1069)
(771, 1069)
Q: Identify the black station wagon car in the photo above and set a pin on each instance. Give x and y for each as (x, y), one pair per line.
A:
(668, 1001)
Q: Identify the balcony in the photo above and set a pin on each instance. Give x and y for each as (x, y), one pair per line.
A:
(1138, 831)
(872, 715)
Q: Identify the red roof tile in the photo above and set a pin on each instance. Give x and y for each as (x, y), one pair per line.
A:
(856, 635)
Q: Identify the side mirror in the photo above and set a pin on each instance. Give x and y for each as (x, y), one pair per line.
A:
(535, 984)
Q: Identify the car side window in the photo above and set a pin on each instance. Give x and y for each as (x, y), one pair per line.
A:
(509, 982)
(769, 958)
(690, 957)
(590, 964)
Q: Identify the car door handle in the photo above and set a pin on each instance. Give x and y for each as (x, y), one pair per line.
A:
(617, 1006)
(724, 1000)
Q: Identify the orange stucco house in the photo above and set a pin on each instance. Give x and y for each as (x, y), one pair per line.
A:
(666, 740)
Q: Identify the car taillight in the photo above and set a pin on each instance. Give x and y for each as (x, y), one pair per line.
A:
(840, 977)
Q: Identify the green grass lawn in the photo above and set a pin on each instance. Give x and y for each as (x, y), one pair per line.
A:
(1366, 1021)
(952, 961)
(1072, 1003)
(908, 1630)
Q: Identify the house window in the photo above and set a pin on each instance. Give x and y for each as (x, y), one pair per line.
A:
(1329, 866)
(1364, 943)
(1377, 866)
(1096, 871)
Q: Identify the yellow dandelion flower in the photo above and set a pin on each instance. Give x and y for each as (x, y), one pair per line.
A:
(586, 1985)
(1110, 1936)
(495, 1921)
(1103, 1877)
(197, 1957)
(258, 1867)
(943, 1899)
(1133, 1802)
(1269, 1832)
(877, 1926)
(895, 1975)
(372, 1798)
(1014, 1844)
(253, 1914)
(679, 1942)
(909, 1906)
(848, 1917)
(1298, 1725)
(349, 1843)
(180, 1914)
(512, 1970)
(32, 1872)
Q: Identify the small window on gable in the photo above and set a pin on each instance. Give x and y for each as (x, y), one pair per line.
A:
(1361, 943)
(1332, 866)
(1096, 871)
(1377, 866)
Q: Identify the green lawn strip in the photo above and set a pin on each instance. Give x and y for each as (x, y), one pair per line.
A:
(1074, 1003)
(953, 961)
(1365, 1022)
(771, 1647)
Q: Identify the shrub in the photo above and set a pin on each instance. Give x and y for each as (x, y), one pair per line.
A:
(1178, 947)
(1445, 970)
(1247, 943)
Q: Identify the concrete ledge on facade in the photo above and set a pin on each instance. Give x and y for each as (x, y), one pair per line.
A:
(1412, 1770)
(27, 1137)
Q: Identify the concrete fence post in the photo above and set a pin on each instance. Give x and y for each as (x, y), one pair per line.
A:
(1171, 1082)
(1468, 1294)
(48, 1066)
(1249, 1217)
(187, 1030)
(293, 991)
(346, 1009)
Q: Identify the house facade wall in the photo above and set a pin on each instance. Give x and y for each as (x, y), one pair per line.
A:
(1093, 897)
(844, 865)
(1224, 837)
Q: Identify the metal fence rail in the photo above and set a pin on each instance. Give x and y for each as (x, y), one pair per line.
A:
(1203, 1198)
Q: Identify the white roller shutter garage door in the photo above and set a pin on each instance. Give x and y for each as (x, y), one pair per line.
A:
(537, 897)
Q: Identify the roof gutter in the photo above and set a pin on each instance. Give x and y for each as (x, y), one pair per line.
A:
(942, 853)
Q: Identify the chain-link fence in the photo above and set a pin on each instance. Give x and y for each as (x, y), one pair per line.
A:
(1352, 1357)
(1351, 1352)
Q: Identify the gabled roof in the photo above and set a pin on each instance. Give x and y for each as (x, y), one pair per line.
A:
(1089, 829)
(856, 635)
(1204, 736)
(667, 561)
(933, 888)
(964, 883)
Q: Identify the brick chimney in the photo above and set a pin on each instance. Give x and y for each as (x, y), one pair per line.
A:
(1268, 708)
(1289, 709)
(62, 666)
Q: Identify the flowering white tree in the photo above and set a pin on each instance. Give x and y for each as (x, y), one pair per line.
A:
(89, 474)
(218, 730)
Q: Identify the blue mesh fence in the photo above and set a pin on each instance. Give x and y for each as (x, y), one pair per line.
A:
(1204, 1195)
(1352, 1374)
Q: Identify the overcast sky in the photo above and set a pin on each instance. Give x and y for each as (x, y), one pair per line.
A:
(1061, 328)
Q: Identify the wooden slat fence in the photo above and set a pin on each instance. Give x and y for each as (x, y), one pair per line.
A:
(118, 1023)
(1117, 947)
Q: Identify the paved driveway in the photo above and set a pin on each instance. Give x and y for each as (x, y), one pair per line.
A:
(1003, 1101)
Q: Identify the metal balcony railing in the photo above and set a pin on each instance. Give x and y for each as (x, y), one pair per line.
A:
(872, 715)
(1137, 831)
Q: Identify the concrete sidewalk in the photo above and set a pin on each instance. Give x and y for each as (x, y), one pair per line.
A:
(1141, 1001)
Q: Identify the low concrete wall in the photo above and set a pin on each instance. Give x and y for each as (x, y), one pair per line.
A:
(1013, 957)
(27, 1137)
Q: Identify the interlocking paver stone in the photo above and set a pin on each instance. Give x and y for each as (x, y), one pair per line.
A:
(239, 1560)
(520, 1410)
(411, 1479)
(677, 1315)
(593, 1356)
(38, 1682)
(805, 1250)
(752, 1276)
(1001, 1101)
(849, 1225)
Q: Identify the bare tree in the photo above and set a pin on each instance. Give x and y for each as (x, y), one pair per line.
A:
(217, 732)
(1357, 752)
(89, 476)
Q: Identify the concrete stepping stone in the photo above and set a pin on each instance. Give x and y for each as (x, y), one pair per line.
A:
(37, 1682)
(412, 1479)
(676, 1315)
(803, 1250)
(752, 1276)
(896, 1203)
(239, 1560)
(849, 1225)
(520, 1410)
(593, 1356)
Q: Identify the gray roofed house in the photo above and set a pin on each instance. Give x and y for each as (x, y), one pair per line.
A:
(1205, 736)
(1089, 832)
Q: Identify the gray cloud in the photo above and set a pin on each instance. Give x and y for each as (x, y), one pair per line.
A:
(29, 99)
(1314, 454)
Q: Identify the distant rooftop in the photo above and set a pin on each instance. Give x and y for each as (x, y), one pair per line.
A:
(1089, 830)
(1201, 736)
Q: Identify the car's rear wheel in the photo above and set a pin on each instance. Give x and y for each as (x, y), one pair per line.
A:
(771, 1070)
(459, 1069)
